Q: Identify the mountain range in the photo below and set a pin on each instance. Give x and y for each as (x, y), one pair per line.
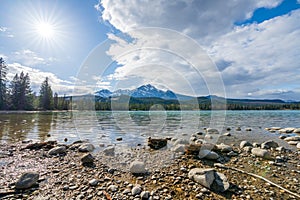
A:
(149, 91)
(144, 91)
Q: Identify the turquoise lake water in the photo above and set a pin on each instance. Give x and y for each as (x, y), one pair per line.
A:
(134, 127)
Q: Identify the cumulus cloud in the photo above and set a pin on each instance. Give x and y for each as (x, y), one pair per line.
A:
(198, 19)
(252, 59)
(5, 31)
(37, 77)
(261, 55)
(29, 58)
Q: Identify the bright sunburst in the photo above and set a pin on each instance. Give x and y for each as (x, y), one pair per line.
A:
(45, 30)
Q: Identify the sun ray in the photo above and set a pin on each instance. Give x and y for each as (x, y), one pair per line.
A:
(45, 30)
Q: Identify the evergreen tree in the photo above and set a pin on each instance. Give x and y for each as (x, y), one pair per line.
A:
(28, 95)
(21, 97)
(55, 100)
(46, 96)
(14, 92)
(3, 80)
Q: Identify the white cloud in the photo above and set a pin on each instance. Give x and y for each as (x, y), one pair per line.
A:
(28, 57)
(260, 56)
(254, 59)
(37, 77)
(5, 31)
(198, 19)
(153, 57)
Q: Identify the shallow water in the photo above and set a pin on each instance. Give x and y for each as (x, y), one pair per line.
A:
(134, 127)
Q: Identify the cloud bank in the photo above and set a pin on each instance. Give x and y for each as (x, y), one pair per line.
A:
(254, 60)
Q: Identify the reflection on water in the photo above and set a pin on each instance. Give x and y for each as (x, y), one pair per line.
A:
(133, 127)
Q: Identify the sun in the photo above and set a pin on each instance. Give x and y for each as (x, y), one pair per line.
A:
(45, 30)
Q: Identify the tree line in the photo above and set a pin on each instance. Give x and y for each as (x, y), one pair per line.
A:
(18, 95)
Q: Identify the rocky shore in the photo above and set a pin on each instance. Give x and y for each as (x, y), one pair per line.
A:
(165, 168)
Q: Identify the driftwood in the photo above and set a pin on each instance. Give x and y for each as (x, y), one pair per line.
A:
(257, 176)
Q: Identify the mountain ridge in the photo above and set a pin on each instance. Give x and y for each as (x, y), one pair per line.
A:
(150, 91)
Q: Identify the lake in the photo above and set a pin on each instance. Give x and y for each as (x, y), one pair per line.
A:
(135, 126)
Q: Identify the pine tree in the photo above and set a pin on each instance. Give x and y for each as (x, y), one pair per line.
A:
(14, 92)
(21, 97)
(3, 80)
(55, 100)
(46, 96)
(28, 95)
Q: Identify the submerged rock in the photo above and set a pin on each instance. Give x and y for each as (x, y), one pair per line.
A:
(292, 138)
(227, 134)
(157, 143)
(287, 130)
(27, 180)
(137, 167)
(212, 131)
(209, 178)
(297, 130)
(261, 153)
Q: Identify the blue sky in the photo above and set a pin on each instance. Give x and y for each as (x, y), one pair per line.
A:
(238, 49)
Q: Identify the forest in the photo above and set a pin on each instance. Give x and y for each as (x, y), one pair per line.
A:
(16, 94)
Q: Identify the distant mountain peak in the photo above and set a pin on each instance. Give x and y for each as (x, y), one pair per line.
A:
(142, 91)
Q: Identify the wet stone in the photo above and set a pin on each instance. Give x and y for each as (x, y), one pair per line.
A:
(27, 180)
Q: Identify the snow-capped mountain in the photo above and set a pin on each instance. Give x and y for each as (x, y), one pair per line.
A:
(104, 93)
(140, 92)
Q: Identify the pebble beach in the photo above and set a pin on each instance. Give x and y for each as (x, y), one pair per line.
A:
(233, 168)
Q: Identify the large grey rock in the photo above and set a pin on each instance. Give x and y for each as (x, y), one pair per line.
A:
(221, 183)
(136, 190)
(137, 167)
(112, 188)
(86, 147)
(203, 176)
(57, 150)
(180, 148)
(109, 151)
(261, 153)
(245, 144)
(145, 195)
(207, 154)
(181, 141)
(87, 159)
(224, 148)
(269, 144)
(27, 180)
(209, 178)
(93, 182)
